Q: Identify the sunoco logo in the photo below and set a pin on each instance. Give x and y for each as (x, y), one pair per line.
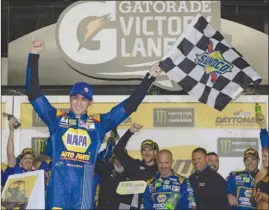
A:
(235, 147)
(122, 39)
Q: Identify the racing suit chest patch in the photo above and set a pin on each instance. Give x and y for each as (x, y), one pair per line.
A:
(77, 142)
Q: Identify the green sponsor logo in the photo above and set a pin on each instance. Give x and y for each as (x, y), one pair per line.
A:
(38, 145)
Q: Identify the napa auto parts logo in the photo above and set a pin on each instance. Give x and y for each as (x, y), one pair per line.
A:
(119, 40)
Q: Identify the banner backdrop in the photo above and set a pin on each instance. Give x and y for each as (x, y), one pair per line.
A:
(108, 40)
(178, 123)
(168, 115)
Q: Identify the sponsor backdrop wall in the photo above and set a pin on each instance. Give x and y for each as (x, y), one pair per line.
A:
(178, 123)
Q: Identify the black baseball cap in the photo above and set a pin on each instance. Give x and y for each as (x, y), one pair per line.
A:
(148, 143)
(156, 146)
(251, 153)
(27, 151)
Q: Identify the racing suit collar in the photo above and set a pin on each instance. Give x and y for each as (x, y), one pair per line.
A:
(252, 174)
(158, 177)
(73, 116)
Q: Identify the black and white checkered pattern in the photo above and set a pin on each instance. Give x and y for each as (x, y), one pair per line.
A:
(180, 66)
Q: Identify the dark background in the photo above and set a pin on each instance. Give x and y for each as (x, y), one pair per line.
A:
(20, 17)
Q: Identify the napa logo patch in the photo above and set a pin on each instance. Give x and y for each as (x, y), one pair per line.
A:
(76, 140)
(248, 193)
(161, 198)
(213, 63)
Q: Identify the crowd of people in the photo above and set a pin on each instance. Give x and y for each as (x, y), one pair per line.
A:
(73, 182)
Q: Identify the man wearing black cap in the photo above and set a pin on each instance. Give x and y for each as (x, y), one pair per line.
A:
(240, 183)
(138, 169)
(26, 157)
(76, 136)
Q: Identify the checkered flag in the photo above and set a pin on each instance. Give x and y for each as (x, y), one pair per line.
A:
(207, 67)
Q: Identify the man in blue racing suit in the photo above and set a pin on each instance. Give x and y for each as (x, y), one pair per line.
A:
(239, 184)
(168, 190)
(76, 136)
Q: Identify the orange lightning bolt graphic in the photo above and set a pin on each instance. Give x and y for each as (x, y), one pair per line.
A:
(93, 28)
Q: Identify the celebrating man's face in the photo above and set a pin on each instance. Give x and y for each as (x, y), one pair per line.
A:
(148, 154)
(164, 161)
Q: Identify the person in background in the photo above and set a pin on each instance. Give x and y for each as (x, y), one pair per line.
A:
(240, 183)
(104, 156)
(42, 162)
(138, 169)
(168, 190)
(25, 163)
(260, 191)
(213, 160)
(209, 186)
(110, 175)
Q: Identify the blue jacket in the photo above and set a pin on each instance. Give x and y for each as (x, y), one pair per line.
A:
(240, 184)
(174, 192)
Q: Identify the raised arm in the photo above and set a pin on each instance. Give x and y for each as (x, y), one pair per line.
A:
(39, 102)
(11, 159)
(260, 119)
(126, 160)
(121, 112)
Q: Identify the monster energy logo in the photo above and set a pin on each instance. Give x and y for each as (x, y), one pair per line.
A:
(174, 117)
(161, 117)
(225, 147)
(38, 145)
(235, 147)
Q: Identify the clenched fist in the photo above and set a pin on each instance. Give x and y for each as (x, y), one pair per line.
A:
(155, 70)
(135, 127)
(37, 46)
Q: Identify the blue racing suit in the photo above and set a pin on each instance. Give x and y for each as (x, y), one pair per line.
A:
(174, 192)
(240, 184)
(76, 141)
(264, 138)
